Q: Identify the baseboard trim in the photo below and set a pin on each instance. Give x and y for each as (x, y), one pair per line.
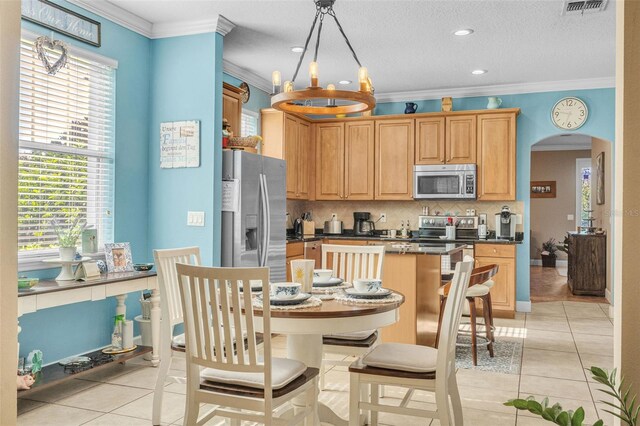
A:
(523, 306)
(607, 295)
(559, 263)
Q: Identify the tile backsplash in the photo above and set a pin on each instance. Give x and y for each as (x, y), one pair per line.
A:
(397, 211)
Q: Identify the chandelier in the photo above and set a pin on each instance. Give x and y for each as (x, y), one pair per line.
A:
(314, 99)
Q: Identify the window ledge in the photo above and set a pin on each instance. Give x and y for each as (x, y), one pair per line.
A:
(35, 262)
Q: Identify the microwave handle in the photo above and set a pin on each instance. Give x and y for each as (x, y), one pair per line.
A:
(463, 184)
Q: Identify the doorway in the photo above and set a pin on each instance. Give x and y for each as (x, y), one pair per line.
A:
(561, 201)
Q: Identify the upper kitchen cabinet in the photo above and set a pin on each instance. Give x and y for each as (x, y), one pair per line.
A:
(430, 137)
(232, 106)
(329, 161)
(497, 156)
(394, 156)
(345, 161)
(460, 146)
(289, 138)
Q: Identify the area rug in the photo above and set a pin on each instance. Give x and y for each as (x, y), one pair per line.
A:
(507, 356)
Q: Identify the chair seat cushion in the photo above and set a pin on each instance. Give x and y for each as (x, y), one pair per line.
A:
(283, 372)
(180, 341)
(477, 290)
(356, 335)
(403, 357)
(489, 283)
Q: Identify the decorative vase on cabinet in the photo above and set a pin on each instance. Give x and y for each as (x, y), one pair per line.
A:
(494, 102)
(411, 108)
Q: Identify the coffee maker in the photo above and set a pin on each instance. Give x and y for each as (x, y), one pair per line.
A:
(361, 224)
(506, 224)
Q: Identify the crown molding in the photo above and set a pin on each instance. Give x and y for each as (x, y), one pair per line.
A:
(562, 147)
(117, 14)
(247, 76)
(219, 24)
(500, 89)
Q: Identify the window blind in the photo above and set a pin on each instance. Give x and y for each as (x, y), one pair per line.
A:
(66, 141)
(249, 123)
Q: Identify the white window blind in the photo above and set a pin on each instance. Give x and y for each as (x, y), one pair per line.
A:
(249, 123)
(66, 160)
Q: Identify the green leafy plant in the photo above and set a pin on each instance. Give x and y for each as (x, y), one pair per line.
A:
(549, 246)
(564, 247)
(68, 235)
(628, 411)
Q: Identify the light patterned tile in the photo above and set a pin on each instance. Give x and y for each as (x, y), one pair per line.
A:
(111, 419)
(144, 378)
(104, 397)
(62, 390)
(599, 326)
(559, 324)
(25, 405)
(561, 365)
(486, 379)
(173, 406)
(57, 415)
(549, 340)
(480, 418)
(594, 344)
(552, 387)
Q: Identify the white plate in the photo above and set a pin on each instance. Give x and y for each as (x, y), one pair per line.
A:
(380, 294)
(331, 283)
(301, 297)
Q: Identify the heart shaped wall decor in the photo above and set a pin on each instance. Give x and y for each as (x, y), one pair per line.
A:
(42, 44)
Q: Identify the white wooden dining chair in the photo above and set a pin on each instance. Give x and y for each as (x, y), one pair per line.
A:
(350, 263)
(171, 309)
(415, 367)
(223, 368)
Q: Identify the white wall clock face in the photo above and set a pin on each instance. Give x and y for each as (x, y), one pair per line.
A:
(569, 113)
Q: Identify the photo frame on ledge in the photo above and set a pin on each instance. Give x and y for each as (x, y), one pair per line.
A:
(118, 257)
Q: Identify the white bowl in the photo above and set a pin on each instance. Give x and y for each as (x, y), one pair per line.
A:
(369, 285)
(322, 275)
(285, 291)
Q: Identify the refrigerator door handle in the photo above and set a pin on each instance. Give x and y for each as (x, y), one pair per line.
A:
(260, 230)
(264, 227)
(267, 219)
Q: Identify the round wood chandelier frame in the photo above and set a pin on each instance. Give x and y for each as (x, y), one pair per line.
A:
(289, 101)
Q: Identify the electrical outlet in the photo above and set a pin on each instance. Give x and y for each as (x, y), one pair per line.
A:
(334, 216)
(570, 217)
(383, 217)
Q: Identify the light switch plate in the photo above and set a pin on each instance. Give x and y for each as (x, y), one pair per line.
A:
(195, 218)
(570, 217)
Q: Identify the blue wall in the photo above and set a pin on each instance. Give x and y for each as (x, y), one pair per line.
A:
(73, 329)
(534, 124)
(186, 84)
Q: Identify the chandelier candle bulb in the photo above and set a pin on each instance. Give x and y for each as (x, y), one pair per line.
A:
(331, 102)
(313, 74)
(288, 86)
(363, 78)
(276, 81)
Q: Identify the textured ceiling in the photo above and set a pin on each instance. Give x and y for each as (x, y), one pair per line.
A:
(408, 45)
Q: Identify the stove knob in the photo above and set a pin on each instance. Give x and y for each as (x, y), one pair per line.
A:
(432, 221)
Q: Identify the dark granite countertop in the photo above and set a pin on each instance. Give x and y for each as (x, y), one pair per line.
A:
(490, 240)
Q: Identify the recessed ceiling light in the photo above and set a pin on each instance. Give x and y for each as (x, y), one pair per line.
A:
(344, 82)
(297, 49)
(463, 32)
(478, 72)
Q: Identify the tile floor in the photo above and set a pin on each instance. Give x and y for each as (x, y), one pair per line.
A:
(560, 340)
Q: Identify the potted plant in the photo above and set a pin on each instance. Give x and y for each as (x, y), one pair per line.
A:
(68, 237)
(623, 406)
(548, 253)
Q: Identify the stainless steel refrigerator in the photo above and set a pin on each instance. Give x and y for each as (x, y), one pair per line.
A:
(253, 212)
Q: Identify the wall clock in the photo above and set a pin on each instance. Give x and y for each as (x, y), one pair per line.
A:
(569, 113)
(246, 94)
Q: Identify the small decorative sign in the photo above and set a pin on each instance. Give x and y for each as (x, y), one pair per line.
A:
(180, 144)
(118, 257)
(62, 20)
(230, 195)
(543, 189)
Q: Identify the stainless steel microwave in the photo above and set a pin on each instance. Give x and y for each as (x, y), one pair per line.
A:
(446, 181)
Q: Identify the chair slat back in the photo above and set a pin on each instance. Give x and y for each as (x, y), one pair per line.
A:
(451, 319)
(353, 262)
(218, 317)
(168, 280)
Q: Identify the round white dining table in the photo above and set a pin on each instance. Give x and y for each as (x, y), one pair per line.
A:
(305, 327)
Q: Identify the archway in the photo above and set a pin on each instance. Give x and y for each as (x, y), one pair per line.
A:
(563, 197)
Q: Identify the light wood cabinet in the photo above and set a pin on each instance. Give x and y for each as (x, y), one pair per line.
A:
(345, 161)
(497, 157)
(503, 293)
(290, 138)
(294, 251)
(460, 147)
(430, 137)
(232, 107)
(329, 161)
(394, 156)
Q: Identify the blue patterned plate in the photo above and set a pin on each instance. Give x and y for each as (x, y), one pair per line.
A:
(300, 298)
(380, 294)
(331, 283)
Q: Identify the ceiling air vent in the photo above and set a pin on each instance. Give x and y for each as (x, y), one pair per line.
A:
(575, 7)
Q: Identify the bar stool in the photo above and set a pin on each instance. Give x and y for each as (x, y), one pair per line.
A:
(479, 289)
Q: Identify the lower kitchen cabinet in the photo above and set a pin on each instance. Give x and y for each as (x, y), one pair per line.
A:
(503, 293)
(295, 251)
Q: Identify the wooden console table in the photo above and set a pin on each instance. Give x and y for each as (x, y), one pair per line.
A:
(49, 294)
(587, 273)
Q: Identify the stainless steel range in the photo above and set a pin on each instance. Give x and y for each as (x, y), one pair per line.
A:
(435, 226)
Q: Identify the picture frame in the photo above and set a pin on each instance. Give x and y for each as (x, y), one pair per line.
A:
(543, 189)
(62, 20)
(600, 195)
(118, 257)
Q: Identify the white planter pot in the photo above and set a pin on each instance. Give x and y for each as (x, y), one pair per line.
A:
(67, 253)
